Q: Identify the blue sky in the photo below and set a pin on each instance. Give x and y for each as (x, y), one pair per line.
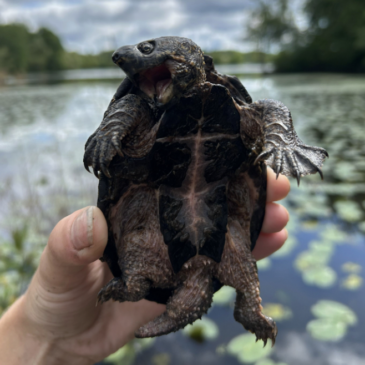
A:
(91, 26)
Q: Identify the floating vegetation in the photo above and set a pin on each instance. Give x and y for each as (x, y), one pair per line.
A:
(127, 354)
(351, 267)
(331, 233)
(269, 362)
(327, 330)
(264, 264)
(201, 330)
(349, 211)
(224, 296)
(333, 319)
(277, 311)
(161, 359)
(247, 350)
(18, 261)
(314, 262)
(321, 276)
(352, 282)
(287, 249)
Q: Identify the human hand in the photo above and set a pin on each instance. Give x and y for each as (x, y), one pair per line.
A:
(57, 322)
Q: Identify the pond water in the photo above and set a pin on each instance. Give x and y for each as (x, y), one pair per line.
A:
(313, 287)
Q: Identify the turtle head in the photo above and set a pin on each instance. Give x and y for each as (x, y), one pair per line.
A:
(163, 68)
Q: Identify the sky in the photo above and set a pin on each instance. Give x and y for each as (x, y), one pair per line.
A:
(91, 26)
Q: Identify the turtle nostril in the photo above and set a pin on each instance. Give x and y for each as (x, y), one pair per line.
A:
(115, 57)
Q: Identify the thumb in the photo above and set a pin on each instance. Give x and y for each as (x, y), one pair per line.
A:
(77, 240)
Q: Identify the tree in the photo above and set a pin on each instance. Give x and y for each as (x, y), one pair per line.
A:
(46, 51)
(270, 24)
(13, 48)
(22, 51)
(333, 42)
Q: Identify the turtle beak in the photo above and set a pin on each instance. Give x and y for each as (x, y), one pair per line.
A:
(122, 55)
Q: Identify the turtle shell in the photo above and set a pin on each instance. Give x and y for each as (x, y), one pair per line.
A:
(198, 151)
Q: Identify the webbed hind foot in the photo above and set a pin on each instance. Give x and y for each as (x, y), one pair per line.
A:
(254, 321)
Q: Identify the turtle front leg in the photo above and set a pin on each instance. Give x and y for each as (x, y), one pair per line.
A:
(129, 119)
(189, 302)
(282, 149)
(238, 269)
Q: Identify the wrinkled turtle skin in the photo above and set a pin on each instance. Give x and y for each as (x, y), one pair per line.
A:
(181, 155)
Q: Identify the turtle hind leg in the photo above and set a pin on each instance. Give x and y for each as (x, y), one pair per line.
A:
(188, 303)
(253, 320)
(238, 269)
(131, 291)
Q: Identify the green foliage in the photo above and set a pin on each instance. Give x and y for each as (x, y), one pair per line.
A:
(333, 42)
(45, 51)
(73, 60)
(235, 57)
(14, 51)
(18, 261)
(22, 51)
(269, 25)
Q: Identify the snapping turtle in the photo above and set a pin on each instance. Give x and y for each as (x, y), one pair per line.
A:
(181, 155)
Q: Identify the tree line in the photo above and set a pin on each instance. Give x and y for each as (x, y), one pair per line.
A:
(333, 41)
(23, 51)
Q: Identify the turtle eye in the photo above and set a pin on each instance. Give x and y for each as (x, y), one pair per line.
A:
(146, 47)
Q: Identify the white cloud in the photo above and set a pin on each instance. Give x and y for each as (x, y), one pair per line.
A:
(92, 26)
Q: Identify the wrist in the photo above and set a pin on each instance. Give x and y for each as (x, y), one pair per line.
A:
(22, 341)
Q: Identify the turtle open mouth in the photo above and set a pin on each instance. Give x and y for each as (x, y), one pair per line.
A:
(157, 81)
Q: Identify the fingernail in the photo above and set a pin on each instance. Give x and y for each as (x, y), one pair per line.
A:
(82, 229)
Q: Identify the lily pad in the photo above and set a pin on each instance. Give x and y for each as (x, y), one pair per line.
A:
(308, 259)
(326, 329)
(264, 264)
(277, 311)
(333, 234)
(322, 247)
(288, 247)
(352, 282)
(202, 330)
(351, 267)
(265, 362)
(224, 296)
(335, 311)
(269, 362)
(322, 276)
(247, 350)
(161, 359)
(349, 211)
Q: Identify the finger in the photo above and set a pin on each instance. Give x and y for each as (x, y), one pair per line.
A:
(75, 242)
(267, 244)
(276, 218)
(277, 189)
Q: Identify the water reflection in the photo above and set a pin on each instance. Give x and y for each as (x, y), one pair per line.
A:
(43, 130)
